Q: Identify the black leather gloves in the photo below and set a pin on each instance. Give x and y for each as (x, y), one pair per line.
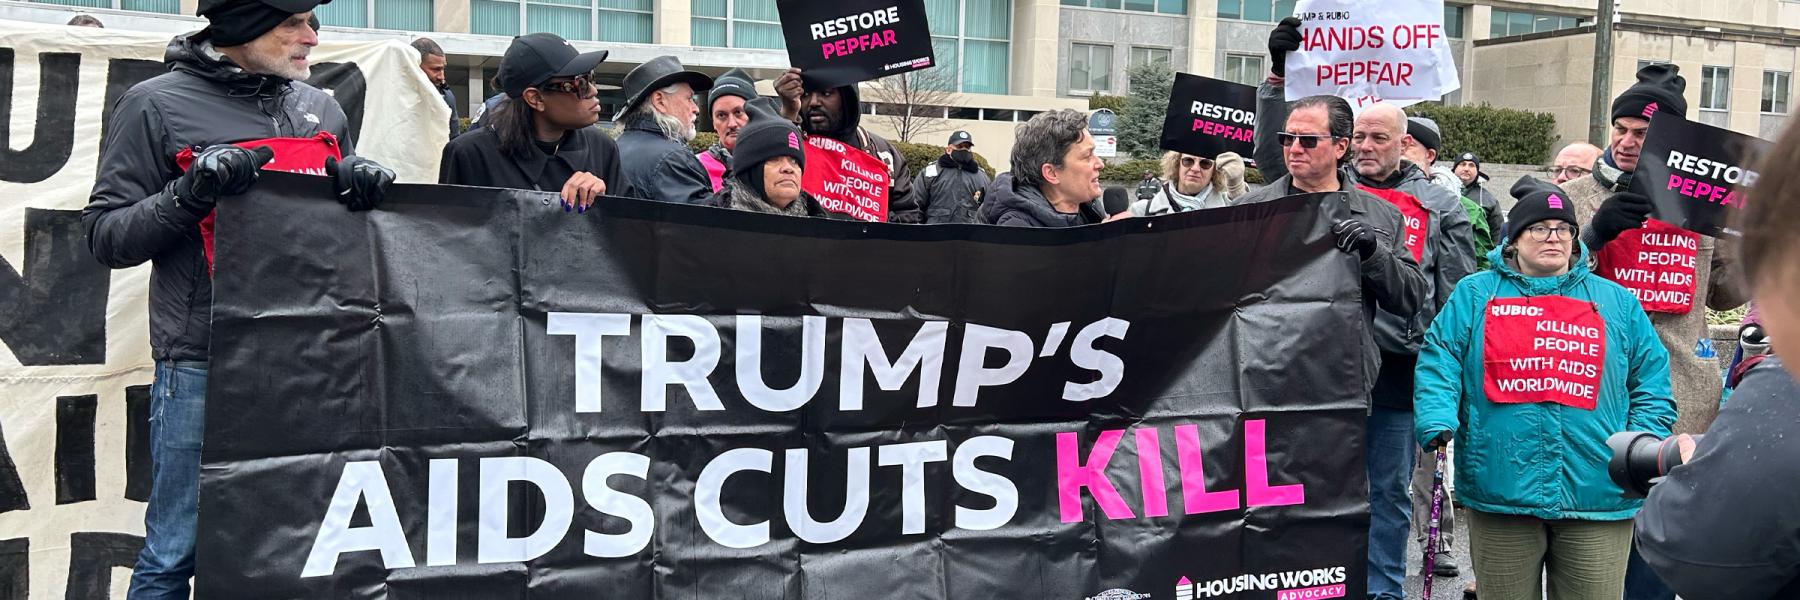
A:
(360, 183)
(1354, 237)
(221, 170)
(1620, 213)
(1284, 39)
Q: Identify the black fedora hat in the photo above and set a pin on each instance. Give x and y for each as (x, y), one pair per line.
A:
(655, 74)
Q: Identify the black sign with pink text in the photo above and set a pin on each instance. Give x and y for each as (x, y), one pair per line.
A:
(1696, 174)
(1208, 116)
(845, 42)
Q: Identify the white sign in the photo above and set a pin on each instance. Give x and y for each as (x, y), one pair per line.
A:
(1369, 51)
(1106, 146)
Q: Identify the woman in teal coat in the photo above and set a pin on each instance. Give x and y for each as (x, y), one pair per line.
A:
(1530, 367)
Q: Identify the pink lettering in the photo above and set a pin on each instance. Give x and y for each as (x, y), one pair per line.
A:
(1257, 490)
(1194, 497)
(1072, 476)
(1150, 469)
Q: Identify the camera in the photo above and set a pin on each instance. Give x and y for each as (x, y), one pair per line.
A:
(1640, 459)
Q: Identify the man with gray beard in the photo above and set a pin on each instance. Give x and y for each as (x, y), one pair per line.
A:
(659, 121)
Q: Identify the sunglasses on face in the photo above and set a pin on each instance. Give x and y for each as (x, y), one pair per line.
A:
(581, 87)
(1188, 162)
(1306, 141)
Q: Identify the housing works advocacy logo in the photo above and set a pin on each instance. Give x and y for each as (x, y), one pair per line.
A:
(1118, 594)
(1308, 584)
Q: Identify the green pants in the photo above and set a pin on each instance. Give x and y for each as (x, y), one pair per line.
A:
(1585, 560)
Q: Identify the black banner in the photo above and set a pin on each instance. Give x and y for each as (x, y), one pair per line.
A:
(1696, 174)
(849, 41)
(1208, 116)
(472, 393)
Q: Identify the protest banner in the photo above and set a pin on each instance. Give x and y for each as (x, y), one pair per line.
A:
(1208, 116)
(1543, 349)
(1656, 262)
(714, 403)
(1369, 51)
(846, 180)
(75, 362)
(1696, 174)
(850, 41)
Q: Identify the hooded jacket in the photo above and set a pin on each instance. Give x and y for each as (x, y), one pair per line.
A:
(658, 168)
(1543, 459)
(1483, 231)
(475, 158)
(1391, 280)
(1717, 285)
(903, 203)
(1015, 205)
(1490, 206)
(950, 193)
(132, 217)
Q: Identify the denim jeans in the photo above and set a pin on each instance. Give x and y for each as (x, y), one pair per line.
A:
(177, 410)
(1389, 455)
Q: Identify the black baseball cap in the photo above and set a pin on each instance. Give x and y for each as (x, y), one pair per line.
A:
(961, 137)
(535, 58)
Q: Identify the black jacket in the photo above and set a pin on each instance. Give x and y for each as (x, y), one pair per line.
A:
(1024, 206)
(1490, 207)
(903, 202)
(659, 168)
(949, 193)
(131, 217)
(474, 158)
(455, 123)
(1727, 523)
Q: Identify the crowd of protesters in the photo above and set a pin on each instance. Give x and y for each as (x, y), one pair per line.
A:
(1541, 513)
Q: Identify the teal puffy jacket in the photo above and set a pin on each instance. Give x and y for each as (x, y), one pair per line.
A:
(1540, 459)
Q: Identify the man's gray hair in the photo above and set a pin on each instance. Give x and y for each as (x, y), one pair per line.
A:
(673, 128)
(1044, 140)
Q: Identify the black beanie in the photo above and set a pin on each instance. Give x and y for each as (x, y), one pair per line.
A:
(735, 82)
(1538, 201)
(1658, 89)
(766, 136)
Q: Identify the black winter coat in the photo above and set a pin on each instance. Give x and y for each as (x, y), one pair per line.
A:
(1024, 206)
(659, 168)
(132, 216)
(903, 199)
(948, 193)
(474, 158)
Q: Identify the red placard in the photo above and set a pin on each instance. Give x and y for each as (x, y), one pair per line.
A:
(846, 180)
(292, 155)
(1657, 263)
(1413, 217)
(1543, 349)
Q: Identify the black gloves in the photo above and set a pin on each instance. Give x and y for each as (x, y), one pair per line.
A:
(1622, 212)
(222, 170)
(1284, 39)
(1354, 237)
(360, 183)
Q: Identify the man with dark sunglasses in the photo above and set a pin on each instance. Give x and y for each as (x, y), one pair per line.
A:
(541, 136)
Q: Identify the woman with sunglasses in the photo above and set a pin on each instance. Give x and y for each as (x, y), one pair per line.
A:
(541, 136)
(1194, 183)
(1530, 367)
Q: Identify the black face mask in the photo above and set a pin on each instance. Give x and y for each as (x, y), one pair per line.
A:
(963, 156)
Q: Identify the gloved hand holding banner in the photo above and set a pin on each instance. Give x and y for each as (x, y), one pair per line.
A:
(1369, 51)
(1696, 174)
(849, 41)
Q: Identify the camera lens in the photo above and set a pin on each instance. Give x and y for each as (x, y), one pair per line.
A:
(1640, 459)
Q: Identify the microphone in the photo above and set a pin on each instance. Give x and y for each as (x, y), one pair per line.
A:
(1115, 200)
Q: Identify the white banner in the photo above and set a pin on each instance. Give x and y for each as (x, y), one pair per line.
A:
(1369, 51)
(75, 364)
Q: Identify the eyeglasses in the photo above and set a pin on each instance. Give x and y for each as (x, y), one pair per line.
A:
(581, 87)
(1544, 233)
(1306, 141)
(1188, 162)
(1570, 171)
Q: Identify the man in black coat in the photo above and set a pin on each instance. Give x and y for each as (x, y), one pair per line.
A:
(660, 111)
(836, 113)
(542, 136)
(950, 189)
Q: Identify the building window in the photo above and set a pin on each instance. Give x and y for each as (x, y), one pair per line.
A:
(1090, 68)
(155, 6)
(602, 20)
(971, 41)
(1775, 91)
(1508, 23)
(1454, 17)
(1267, 11)
(1143, 56)
(1167, 7)
(737, 24)
(1244, 68)
(1715, 88)
(408, 15)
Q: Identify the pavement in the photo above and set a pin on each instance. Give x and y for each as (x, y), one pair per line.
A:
(1443, 588)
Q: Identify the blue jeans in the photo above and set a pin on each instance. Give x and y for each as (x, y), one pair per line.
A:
(177, 411)
(1389, 450)
(1641, 583)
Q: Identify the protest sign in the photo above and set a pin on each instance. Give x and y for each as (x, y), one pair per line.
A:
(1656, 262)
(1696, 174)
(849, 41)
(846, 180)
(1369, 51)
(1543, 349)
(1208, 116)
(75, 361)
(1413, 217)
(718, 403)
